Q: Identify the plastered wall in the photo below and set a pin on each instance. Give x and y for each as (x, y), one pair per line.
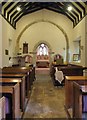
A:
(8, 33)
(43, 32)
(80, 31)
(0, 41)
(86, 41)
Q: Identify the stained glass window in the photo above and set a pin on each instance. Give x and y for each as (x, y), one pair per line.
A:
(42, 49)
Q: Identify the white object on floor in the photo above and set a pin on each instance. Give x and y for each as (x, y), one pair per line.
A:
(59, 75)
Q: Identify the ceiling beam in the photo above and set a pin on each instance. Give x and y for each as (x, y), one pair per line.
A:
(79, 4)
(23, 10)
(22, 6)
(77, 10)
(7, 7)
(3, 3)
(13, 8)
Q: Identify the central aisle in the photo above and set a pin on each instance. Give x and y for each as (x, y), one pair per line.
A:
(46, 101)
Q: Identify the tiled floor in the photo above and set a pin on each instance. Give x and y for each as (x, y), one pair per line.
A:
(46, 101)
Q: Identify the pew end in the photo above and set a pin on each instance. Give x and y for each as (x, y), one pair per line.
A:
(12, 94)
(77, 105)
(2, 108)
(79, 101)
(68, 112)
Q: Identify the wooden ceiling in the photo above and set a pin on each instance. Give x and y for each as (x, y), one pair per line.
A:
(9, 9)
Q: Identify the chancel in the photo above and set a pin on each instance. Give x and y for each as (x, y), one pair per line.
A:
(43, 65)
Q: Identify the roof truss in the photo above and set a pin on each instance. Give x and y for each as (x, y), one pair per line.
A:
(9, 10)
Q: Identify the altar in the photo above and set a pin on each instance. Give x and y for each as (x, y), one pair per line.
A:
(42, 63)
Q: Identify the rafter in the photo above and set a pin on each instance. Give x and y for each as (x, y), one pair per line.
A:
(10, 13)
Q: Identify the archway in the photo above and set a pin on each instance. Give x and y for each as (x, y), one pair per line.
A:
(59, 27)
(36, 46)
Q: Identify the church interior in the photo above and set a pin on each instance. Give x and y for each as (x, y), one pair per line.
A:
(43, 66)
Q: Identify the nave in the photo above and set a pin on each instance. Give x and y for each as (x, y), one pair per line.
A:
(47, 35)
(46, 100)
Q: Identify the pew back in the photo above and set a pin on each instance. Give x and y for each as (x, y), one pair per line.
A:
(12, 92)
(19, 70)
(12, 81)
(82, 80)
(16, 70)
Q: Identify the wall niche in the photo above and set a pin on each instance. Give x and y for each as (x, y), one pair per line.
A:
(25, 48)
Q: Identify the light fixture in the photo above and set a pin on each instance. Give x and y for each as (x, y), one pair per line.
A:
(18, 9)
(69, 8)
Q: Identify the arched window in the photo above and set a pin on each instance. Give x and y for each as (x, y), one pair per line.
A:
(42, 49)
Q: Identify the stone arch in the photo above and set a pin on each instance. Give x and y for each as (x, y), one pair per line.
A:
(35, 47)
(59, 27)
(42, 41)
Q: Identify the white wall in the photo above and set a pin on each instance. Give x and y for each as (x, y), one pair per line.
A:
(86, 44)
(79, 31)
(0, 41)
(44, 31)
(48, 32)
(86, 41)
(8, 32)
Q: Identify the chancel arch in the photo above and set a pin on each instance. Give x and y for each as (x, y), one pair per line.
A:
(38, 45)
(47, 21)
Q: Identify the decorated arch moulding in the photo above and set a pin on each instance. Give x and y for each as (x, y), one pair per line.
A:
(59, 27)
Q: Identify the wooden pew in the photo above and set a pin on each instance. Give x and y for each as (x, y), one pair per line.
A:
(15, 70)
(68, 70)
(72, 70)
(68, 113)
(2, 108)
(31, 76)
(12, 75)
(17, 75)
(19, 70)
(12, 93)
(13, 81)
(79, 95)
(82, 80)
